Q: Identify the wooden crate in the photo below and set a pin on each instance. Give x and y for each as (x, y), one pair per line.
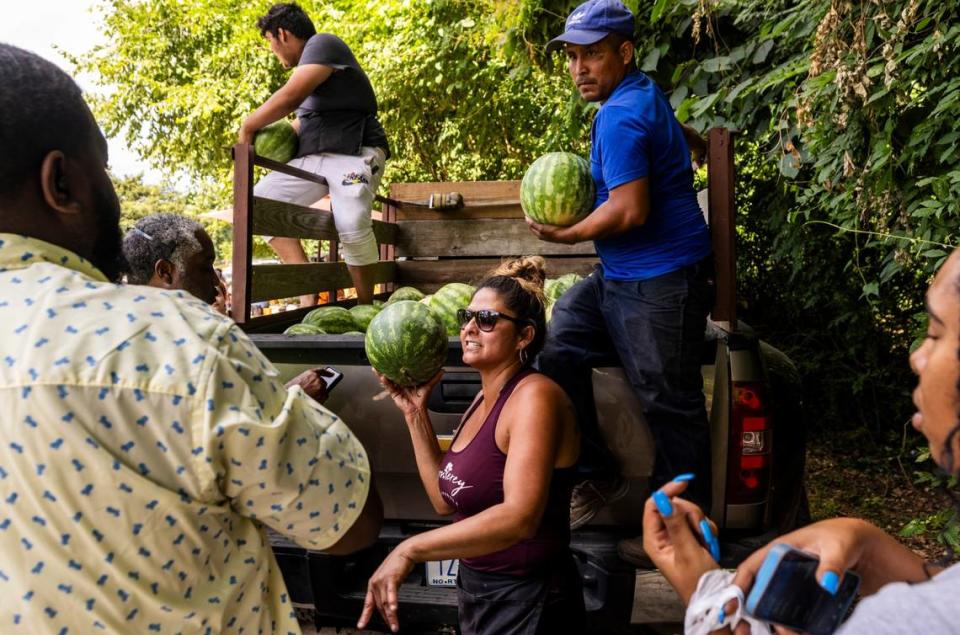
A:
(427, 248)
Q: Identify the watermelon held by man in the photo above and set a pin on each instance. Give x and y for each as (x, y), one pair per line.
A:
(277, 142)
(557, 189)
(406, 343)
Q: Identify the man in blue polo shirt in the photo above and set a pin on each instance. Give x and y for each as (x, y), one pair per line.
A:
(646, 305)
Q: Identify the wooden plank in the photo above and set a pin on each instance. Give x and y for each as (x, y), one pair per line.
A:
(288, 169)
(388, 253)
(430, 275)
(487, 237)
(333, 255)
(242, 233)
(721, 180)
(482, 199)
(471, 190)
(277, 322)
(287, 281)
(501, 210)
(654, 600)
(277, 218)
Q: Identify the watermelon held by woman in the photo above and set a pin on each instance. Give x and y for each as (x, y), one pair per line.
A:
(406, 343)
(332, 319)
(557, 189)
(278, 141)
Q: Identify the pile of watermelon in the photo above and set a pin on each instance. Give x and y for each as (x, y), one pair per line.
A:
(443, 305)
(557, 189)
(553, 288)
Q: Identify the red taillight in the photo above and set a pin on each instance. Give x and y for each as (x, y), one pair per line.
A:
(748, 475)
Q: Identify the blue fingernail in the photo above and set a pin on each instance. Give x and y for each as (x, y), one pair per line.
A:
(662, 501)
(712, 544)
(683, 478)
(830, 582)
(722, 615)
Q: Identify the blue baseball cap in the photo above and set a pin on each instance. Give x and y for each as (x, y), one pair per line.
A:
(592, 21)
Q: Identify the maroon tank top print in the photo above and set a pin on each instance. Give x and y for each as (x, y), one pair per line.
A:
(471, 480)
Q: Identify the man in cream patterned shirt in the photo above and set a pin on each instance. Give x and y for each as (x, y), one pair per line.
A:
(144, 440)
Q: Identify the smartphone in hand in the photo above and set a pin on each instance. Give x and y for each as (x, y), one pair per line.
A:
(331, 377)
(786, 592)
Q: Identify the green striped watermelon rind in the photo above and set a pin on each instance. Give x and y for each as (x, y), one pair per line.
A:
(447, 300)
(553, 288)
(405, 293)
(277, 141)
(406, 343)
(363, 314)
(304, 329)
(557, 189)
(332, 319)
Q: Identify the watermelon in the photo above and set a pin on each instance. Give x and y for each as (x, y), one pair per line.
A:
(557, 189)
(352, 333)
(332, 319)
(406, 343)
(556, 287)
(405, 293)
(362, 314)
(278, 141)
(447, 300)
(304, 329)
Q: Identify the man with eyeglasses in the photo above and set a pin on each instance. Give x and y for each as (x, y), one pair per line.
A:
(645, 306)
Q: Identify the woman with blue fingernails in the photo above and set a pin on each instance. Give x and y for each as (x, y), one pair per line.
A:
(904, 593)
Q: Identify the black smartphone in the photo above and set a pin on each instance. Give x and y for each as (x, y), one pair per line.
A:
(786, 592)
(331, 378)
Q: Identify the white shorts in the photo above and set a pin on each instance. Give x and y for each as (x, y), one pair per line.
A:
(352, 182)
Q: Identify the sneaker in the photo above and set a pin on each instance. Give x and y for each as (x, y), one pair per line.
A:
(631, 550)
(589, 497)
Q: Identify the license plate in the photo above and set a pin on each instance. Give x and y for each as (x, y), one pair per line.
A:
(442, 573)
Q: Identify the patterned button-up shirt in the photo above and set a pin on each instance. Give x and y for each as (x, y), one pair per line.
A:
(143, 441)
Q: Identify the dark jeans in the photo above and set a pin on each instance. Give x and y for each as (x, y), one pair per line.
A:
(653, 328)
(547, 603)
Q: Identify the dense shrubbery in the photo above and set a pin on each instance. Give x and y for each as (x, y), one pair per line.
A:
(848, 155)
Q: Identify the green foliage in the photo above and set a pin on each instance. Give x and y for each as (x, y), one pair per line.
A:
(848, 115)
(138, 200)
(183, 75)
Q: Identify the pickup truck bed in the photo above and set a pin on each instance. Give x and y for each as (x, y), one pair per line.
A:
(617, 595)
(751, 390)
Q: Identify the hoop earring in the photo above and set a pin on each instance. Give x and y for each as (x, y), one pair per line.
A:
(523, 356)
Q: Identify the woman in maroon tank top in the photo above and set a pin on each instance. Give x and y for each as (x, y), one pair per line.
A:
(506, 478)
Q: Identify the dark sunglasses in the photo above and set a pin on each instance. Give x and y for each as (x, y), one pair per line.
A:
(486, 318)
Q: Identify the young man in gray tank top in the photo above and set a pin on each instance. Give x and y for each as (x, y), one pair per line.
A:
(341, 138)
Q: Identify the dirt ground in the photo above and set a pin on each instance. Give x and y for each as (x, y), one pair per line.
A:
(856, 475)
